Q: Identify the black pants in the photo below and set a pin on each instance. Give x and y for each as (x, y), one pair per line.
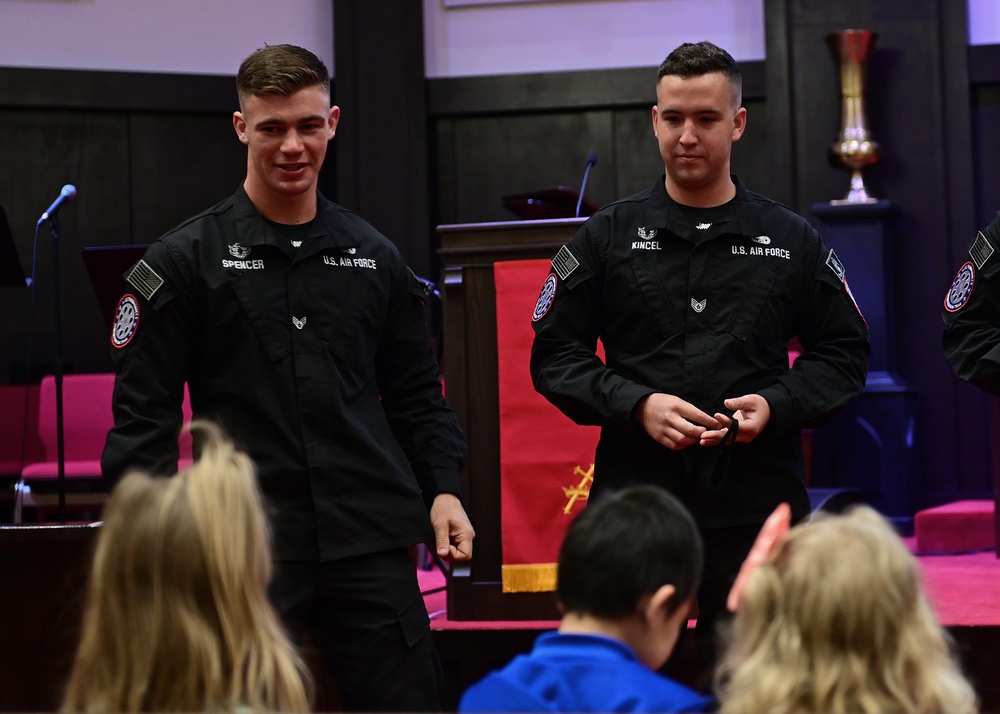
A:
(725, 551)
(367, 619)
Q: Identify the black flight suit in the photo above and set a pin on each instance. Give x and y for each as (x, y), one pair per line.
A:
(309, 347)
(704, 311)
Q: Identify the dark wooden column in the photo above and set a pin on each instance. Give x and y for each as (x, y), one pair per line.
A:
(381, 145)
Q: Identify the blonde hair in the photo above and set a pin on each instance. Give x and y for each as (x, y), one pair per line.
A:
(177, 616)
(837, 621)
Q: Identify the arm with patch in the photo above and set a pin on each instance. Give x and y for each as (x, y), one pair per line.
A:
(565, 367)
(151, 368)
(833, 368)
(971, 314)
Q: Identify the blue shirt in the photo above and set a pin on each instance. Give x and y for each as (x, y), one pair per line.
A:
(580, 673)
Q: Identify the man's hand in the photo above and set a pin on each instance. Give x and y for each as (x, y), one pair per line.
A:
(453, 532)
(751, 410)
(673, 422)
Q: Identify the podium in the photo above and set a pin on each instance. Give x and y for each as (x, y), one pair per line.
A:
(44, 571)
(467, 253)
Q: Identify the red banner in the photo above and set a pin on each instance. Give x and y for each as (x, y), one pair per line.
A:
(546, 460)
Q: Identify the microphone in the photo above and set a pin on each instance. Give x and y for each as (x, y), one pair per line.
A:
(68, 193)
(591, 160)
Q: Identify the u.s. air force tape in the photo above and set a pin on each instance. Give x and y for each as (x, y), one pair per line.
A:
(144, 279)
(564, 262)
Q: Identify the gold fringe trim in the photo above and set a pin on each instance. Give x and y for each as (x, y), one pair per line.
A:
(540, 578)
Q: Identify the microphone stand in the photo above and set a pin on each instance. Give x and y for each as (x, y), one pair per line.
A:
(583, 185)
(60, 443)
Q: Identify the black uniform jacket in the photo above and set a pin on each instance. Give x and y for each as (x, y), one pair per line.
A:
(704, 312)
(314, 357)
(972, 313)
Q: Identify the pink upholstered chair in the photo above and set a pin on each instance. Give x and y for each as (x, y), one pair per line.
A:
(87, 418)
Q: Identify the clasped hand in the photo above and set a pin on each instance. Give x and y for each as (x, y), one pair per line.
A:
(678, 424)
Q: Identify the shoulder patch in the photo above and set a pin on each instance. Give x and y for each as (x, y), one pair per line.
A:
(961, 288)
(545, 298)
(564, 262)
(834, 264)
(126, 321)
(981, 250)
(144, 279)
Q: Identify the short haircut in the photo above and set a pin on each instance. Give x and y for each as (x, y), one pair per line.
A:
(625, 546)
(280, 70)
(693, 59)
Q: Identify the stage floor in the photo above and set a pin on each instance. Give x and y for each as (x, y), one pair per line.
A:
(963, 588)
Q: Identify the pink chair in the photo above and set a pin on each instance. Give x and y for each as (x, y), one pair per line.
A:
(87, 418)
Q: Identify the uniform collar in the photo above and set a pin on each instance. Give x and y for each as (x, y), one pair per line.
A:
(331, 231)
(745, 208)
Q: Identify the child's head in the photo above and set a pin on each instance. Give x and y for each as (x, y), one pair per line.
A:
(837, 621)
(635, 553)
(177, 617)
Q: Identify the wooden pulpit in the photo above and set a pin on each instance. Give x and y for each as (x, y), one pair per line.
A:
(469, 360)
(43, 583)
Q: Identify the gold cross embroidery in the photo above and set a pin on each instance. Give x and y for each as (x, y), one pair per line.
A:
(580, 491)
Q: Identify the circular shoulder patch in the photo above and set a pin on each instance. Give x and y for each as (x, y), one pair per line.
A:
(545, 298)
(961, 288)
(126, 321)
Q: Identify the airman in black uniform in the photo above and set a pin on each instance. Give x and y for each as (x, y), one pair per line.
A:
(299, 330)
(695, 289)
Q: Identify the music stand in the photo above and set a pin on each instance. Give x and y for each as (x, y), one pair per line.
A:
(11, 273)
(558, 202)
(106, 266)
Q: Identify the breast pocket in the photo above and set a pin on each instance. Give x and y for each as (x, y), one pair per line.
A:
(244, 330)
(752, 300)
(655, 295)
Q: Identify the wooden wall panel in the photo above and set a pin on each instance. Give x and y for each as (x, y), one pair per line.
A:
(144, 152)
(50, 149)
(180, 165)
(501, 155)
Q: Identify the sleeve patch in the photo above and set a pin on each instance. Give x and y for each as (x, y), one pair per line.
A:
(545, 298)
(126, 321)
(981, 250)
(564, 262)
(144, 279)
(961, 288)
(834, 264)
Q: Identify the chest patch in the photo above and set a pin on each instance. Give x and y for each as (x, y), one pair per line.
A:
(961, 288)
(545, 298)
(126, 321)
(238, 250)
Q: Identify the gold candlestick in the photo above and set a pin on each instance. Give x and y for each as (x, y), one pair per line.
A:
(854, 147)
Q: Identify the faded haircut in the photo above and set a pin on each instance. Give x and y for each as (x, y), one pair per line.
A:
(693, 59)
(280, 70)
